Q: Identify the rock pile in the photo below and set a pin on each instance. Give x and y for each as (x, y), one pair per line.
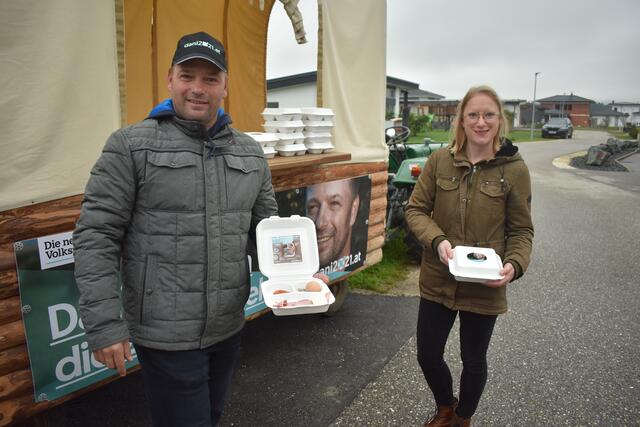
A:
(603, 156)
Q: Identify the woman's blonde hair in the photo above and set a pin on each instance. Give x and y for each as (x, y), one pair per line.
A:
(459, 137)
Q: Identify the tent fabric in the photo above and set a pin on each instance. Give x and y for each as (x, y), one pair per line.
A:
(138, 67)
(354, 75)
(246, 43)
(152, 29)
(60, 101)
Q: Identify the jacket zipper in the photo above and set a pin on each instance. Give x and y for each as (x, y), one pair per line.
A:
(206, 242)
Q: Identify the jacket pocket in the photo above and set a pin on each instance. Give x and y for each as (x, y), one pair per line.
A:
(150, 278)
(448, 183)
(242, 182)
(492, 202)
(170, 181)
(493, 188)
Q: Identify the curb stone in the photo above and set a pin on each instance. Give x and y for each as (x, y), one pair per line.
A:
(564, 162)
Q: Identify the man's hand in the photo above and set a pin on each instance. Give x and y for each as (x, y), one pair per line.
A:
(322, 277)
(445, 252)
(507, 271)
(114, 356)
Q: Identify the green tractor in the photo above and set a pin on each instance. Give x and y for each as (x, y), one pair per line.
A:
(406, 162)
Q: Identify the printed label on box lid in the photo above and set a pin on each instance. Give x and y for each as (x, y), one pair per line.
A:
(287, 246)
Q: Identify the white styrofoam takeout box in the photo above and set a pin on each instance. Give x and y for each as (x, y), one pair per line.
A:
(290, 138)
(269, 152)
(318, 126)
(317, 136)
(290, 270)
(318, 147)
(281, 114)
(317, 114)
(469, 268)
(264, 138)
(291, 126)
(288, 150)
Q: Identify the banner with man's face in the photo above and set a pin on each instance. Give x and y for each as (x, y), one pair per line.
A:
(340, 212)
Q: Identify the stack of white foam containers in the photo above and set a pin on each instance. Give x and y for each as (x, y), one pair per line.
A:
(318, 123)
(267, 141)
(286, 124)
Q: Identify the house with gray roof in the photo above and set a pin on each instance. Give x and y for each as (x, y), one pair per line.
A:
(572, 106)
(631, 111)
(604, 116)
(300, 90)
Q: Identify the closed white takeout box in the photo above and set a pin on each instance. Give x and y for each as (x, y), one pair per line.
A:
(474, 264)
(265, 139)
(288, 256)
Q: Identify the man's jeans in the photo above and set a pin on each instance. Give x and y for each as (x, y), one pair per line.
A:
(188, 388)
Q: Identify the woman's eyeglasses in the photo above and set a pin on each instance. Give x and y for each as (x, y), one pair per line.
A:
(474, 116)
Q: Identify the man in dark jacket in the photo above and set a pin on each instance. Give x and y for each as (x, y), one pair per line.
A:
(168, 210)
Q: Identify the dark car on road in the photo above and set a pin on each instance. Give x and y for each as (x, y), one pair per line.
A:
(558, 127)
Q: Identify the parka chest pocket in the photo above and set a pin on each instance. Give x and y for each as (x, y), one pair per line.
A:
(493, 188)
(170, 181)
(448, 183)
(242, 182)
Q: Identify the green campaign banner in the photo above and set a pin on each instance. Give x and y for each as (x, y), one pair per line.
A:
(61, 362)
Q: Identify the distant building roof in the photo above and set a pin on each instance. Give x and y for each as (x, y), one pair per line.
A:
(423, 95)
(513, 101)
(443, 101)
(412, 88)
(598, 109)
(292, 80)
(404, 84)
(630, 104)
(567, 99)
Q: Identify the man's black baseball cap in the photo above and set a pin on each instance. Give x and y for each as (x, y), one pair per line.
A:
(200, 45)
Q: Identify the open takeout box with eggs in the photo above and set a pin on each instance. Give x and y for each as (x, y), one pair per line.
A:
(288, 256)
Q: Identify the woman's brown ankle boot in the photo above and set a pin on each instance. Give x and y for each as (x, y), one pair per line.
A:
(457, 421)
(442, 417)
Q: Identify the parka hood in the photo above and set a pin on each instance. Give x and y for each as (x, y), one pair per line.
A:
(507, 153)
(507, 149)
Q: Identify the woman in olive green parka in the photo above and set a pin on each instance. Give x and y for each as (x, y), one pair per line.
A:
(476, 192)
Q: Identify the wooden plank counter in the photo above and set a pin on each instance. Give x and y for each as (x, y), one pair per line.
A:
(279, 163)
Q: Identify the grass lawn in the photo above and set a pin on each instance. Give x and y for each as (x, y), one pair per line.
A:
(443, 136)
(616, 132)
(383, 276)
(619, 134)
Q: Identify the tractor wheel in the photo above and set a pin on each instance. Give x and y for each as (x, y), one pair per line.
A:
(340, 291)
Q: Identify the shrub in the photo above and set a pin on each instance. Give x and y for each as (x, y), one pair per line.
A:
(419, 123)
(633, 132)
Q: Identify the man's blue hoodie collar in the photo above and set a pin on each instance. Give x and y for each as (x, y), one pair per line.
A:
(165, 109)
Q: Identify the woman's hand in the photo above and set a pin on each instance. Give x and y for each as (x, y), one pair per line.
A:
(445, 252)
(507, 271)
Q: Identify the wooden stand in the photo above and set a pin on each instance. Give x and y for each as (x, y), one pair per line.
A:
(56, 216)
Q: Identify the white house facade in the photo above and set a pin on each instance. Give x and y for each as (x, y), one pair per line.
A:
(513, 106)
(630, 110)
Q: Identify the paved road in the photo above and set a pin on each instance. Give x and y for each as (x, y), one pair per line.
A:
(566, 354)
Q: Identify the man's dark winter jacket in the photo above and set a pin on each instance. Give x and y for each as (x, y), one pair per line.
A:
(168, 209)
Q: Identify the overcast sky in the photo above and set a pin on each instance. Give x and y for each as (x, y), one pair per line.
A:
(588, 47)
